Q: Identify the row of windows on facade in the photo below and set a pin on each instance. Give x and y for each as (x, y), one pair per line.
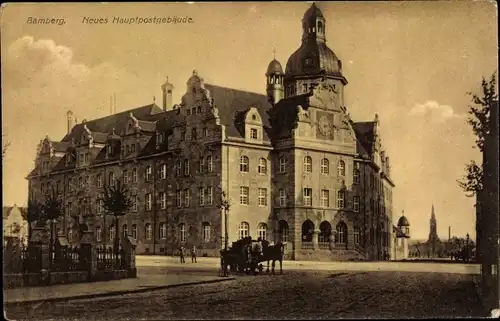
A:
(205, 197)
(306, 198)
(84, 182)
(148, 232)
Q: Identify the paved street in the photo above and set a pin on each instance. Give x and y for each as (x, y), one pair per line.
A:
(212, 264)
(296, 294)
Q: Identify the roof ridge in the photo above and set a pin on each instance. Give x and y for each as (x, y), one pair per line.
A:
(120, 113)
(236, 89)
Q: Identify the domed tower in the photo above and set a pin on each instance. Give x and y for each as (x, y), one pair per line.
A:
(404, 226)
(313, 62)
(274, 81)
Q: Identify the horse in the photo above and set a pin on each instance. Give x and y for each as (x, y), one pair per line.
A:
(273, 253)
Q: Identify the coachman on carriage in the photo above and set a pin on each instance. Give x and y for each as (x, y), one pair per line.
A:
(246, 255)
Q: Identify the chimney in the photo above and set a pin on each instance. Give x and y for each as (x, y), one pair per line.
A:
(166, 89)
(70, 123)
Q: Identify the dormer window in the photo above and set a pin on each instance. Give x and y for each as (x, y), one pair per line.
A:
(193, 111)
(188, 112)
(254, 134)
(199, 109)
(110, 149)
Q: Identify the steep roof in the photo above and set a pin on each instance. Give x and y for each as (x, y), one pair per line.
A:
(116, 121)
(364, 135)
(6, 210)
(232, 103)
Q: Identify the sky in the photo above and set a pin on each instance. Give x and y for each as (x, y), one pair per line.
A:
(411, 62)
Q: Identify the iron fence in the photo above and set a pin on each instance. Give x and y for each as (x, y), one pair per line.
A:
(108, 259)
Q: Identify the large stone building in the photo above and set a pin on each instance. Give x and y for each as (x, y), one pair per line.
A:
(294, 165)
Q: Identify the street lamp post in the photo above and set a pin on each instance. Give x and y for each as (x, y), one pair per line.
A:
(224, 204)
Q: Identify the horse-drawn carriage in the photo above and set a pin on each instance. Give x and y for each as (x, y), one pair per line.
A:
(247, 255)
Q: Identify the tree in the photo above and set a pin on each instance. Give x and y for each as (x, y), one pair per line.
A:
(479, 112)
(116, 202)
(31, 214)
(52, 209)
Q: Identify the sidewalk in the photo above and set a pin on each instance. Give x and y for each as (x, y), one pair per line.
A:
(107, 288)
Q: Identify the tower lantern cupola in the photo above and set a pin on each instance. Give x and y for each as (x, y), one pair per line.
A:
(313, 25)
(274, 81)
(166, 90)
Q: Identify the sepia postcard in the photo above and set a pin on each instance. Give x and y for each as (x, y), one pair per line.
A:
(250, 160)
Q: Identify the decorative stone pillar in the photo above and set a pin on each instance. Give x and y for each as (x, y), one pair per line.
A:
(129, 244)
(88, 253)
(315, 240)
(39, 247)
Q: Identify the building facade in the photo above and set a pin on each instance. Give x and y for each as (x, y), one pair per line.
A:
(293, 164)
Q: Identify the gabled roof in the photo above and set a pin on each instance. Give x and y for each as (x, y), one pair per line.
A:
(6, 210)
(231, 103)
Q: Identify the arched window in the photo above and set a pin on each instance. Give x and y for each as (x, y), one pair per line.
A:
(148, 231)
(134, 175)
(111, 233)
(243, 230)
(98, 232)
(282, 164)
(283, 230)
(262, 231)
(320, 27)
(307, 164)
(124, 230)
(134, 231)
(356, 235)
(186, 167)
(148, 173)
(341, 168)
(244, 164)
(325, 166)
(341, 236)
(340, 199)
(262, 166)
(182, 233)
(355, 203)
(162, 231)
(307, 231)
(209, 164)
(206, 231)
(325, 232)
(111, 179)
